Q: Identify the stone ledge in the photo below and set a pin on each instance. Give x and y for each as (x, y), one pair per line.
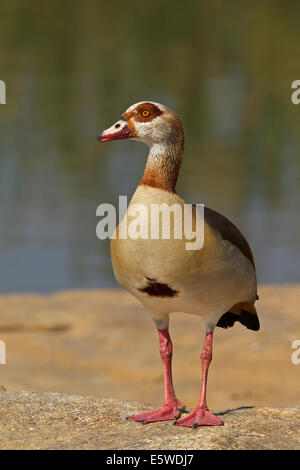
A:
(46, 420)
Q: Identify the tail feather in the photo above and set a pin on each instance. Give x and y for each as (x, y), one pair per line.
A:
(245, 313)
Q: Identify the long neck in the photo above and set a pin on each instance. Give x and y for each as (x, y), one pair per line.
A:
(163, 165)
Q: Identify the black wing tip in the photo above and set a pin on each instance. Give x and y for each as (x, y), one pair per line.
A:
(249, 320)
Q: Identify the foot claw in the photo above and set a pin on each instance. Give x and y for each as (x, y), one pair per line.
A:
(183, 410)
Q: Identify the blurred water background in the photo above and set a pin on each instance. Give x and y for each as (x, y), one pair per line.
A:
(72, 67)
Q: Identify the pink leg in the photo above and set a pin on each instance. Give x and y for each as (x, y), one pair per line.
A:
(172, 407)
(201, 416)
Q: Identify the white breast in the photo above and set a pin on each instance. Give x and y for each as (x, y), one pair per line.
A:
(207, 282)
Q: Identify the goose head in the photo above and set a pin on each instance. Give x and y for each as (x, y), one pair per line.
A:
(148, 122)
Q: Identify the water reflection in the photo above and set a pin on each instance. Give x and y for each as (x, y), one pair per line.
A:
(71, 68)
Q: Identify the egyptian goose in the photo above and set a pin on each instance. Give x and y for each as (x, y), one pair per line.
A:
(217, 282)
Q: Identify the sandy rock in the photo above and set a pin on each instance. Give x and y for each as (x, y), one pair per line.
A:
(46, 420)
(102, 342)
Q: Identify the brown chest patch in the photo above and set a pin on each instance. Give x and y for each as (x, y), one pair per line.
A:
(157, 289)
(160, 178)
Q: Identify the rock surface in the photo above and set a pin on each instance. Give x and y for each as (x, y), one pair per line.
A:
(39, 420)
(101, 342)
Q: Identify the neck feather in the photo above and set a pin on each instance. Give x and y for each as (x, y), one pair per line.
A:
(163, 166)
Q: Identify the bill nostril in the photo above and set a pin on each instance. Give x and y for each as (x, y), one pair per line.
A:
(117, 126)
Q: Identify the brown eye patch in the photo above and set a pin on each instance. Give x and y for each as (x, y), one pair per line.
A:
(144, 112)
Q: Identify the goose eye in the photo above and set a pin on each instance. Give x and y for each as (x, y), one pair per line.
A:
(145, 113)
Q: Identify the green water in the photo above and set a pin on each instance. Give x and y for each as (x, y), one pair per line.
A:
(71, 68)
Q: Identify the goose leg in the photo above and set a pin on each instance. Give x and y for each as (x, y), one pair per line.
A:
(201, 416)
(172, 408)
